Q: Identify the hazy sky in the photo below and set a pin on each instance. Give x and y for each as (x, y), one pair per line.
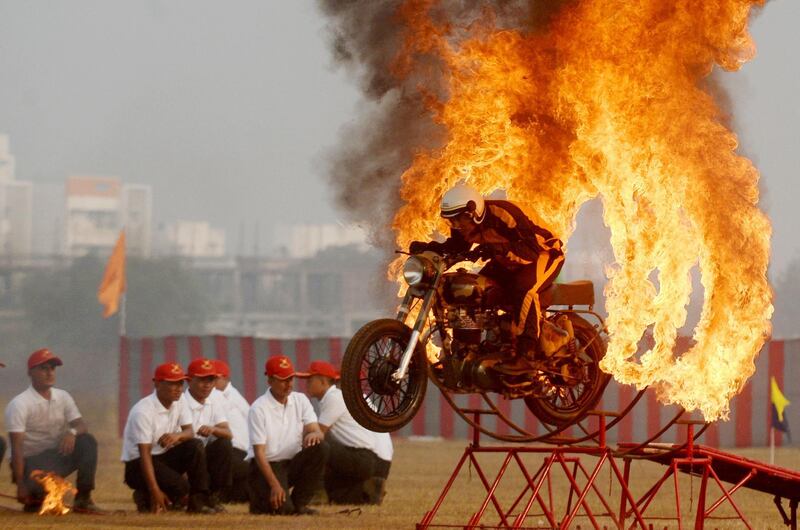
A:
(227, 108)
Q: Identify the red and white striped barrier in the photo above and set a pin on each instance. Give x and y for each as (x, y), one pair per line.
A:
(748, 425)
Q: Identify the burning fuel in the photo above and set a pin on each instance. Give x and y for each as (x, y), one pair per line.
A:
(57, 488)
(557, 106)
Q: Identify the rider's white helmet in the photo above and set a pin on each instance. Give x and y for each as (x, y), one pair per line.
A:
(462, 198)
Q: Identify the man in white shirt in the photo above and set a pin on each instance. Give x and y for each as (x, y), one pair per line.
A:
(236, 408)
(48, 433)
(288, 451)
(210, 425)
(352, 474)
(159, 447)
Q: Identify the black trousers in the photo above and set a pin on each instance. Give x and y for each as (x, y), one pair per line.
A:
(382, 469)
(219, 454)
(2, 449)
(83, 459)
(302, 475)
(347, 470)
(522, 286)
(238, 491)
(188, 457)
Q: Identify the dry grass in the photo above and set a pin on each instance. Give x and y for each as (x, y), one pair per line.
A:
(419, 472)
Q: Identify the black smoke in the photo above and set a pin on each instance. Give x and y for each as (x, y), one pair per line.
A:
(379, 144)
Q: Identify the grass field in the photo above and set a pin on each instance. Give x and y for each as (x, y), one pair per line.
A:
(419, 472)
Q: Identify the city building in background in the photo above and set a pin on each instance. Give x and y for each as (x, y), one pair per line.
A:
(6, 159)
(137, 218)
(93, 208)
(48, 223)
(16, 206)
(97, 208)
(195, 239)
(304, 241)
(310, 281)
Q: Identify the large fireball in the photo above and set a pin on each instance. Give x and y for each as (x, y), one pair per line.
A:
(611, 99)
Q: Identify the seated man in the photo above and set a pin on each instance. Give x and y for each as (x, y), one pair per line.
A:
(47, 432)
(210, 426)
(288, 451)
(236, 408)
(158, 447)
(351, 476)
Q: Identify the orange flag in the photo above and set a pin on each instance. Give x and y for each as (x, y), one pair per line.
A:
(113, 284)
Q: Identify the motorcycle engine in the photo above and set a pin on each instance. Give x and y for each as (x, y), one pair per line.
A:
(465, 325)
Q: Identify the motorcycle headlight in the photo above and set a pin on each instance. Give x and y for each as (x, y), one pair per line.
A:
(417, 270)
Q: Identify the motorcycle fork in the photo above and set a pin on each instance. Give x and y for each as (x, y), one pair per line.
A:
(422, 317)
(405, 306)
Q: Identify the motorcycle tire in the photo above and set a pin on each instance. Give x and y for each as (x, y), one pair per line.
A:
(548, 410)
(373, 399)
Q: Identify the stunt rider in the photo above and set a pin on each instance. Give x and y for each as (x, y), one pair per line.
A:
(523, 258)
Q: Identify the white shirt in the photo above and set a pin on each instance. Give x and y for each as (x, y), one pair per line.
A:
(211, 413)
(383, 446)
(148, 421)
(334, 414)
(44, 421)
(279, 427)
(237, 408)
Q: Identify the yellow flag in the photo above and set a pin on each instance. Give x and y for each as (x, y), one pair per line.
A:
(113, 284)
(778, 399)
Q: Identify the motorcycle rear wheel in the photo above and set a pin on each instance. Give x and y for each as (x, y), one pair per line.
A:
(374, 400)
(573, 407)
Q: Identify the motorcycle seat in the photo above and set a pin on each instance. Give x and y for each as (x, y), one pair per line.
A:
(580, 292)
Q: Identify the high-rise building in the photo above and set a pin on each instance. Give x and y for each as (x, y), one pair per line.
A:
(197, 239)
(303, 241)
(137, 218)
(97, 208)
(48, 223)
(16, 206)
(6, 160)
(92, 214)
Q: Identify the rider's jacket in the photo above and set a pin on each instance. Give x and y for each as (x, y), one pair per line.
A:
(505, 236)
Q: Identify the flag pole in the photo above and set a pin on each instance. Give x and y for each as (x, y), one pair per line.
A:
(772, 446)
(122, 314)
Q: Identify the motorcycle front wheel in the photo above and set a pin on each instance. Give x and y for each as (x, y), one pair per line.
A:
(374, 399)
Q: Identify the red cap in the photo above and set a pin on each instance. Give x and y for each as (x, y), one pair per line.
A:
(281, 367)
(43, 356)
(321, 368)
(223, 370)
(169, 372)
(202, 368)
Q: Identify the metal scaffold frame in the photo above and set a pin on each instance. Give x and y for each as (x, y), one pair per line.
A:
(581, 465)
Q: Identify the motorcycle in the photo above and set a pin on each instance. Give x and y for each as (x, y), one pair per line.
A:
(462, 337)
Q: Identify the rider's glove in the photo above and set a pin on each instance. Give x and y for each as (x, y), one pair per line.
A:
(417, 246)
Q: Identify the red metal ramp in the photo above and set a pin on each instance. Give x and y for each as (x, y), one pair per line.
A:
(742, 472)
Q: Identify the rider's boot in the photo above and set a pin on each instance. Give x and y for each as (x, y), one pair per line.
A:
(553, 338)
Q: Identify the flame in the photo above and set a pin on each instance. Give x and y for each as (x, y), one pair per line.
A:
(610, 100)
(56, 488)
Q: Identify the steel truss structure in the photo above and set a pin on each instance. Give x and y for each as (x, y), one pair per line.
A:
(541, 503)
